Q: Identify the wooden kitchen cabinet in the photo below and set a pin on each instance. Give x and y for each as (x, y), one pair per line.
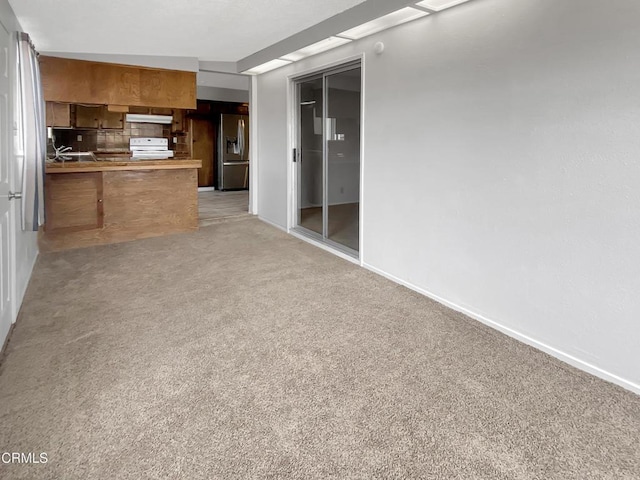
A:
(87, 116)
(58, 114)
(74, 202)
(111, 120)
(97, 116)
(80, 81)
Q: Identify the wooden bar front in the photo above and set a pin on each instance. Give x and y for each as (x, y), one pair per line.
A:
(98, 203)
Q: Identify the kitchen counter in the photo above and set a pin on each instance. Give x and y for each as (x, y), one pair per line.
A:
(117, 199)
(120, 162)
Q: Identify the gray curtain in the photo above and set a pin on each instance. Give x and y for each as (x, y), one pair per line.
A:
(32, 133)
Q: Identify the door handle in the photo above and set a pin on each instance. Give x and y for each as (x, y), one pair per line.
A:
(13, 195)
(295, 155)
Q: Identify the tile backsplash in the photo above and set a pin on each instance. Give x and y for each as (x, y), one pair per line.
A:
(96, 140)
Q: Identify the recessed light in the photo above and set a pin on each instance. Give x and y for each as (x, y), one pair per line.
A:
(318, 47)
(439, 5)
(398, 17)
(266, 67)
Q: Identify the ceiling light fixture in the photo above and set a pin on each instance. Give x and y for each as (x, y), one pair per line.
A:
(439, 5)
(267, 67)
(393, 19)
(314, 49)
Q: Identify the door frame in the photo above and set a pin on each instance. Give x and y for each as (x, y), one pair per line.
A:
(14, 214)
(292, 168)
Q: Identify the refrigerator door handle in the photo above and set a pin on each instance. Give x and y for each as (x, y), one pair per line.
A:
(241, 137)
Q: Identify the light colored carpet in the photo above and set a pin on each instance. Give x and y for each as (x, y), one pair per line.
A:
(241, 352)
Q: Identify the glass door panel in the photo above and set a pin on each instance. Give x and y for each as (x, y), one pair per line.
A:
(328, 157)
(343, 157)
(310, 172)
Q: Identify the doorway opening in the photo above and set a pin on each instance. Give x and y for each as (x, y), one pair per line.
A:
(327, 157)
(219, 136)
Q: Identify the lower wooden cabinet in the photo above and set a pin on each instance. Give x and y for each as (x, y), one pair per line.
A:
(74, 202)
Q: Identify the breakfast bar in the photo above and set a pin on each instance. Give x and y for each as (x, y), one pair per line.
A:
(117, 199)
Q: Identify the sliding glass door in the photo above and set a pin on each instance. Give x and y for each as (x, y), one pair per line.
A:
(328, 157)
(310, 159)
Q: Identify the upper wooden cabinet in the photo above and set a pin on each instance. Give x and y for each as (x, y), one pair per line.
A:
(87, 116)
(63, 115)
(109, 119)
(58, 114)
(80, 81)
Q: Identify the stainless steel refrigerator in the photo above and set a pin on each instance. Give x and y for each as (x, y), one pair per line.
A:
(233, 152)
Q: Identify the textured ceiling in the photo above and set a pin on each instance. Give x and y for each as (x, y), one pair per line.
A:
(224, 30)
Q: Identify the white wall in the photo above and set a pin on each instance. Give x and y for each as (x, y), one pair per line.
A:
(26, 243)
(223, 87)
(501, 168)
(222, 94)
(272, 147)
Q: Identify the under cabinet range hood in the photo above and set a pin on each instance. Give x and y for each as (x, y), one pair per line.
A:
(142, 118)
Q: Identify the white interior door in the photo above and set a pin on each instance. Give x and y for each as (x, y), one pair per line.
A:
(6, 223)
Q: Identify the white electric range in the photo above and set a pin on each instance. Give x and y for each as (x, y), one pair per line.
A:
(150, 148)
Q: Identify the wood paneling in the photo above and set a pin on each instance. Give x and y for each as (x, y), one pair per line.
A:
(135, 204)
(203, 141)
(58, 114)
(160, 201)
(79, 81)
(74, 202)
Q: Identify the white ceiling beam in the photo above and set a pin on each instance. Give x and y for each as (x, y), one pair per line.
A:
(219, 67)
(346, 20)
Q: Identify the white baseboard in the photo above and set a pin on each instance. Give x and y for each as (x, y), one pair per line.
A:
(20, 295)
(279, 227)
(554, 352)
(206, 189)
